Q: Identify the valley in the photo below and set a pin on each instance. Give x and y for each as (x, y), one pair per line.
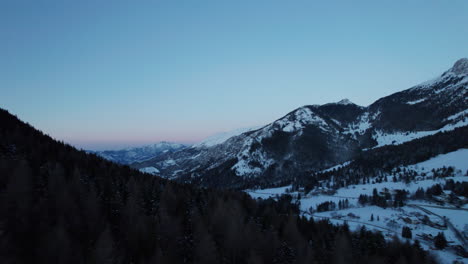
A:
(446, 212)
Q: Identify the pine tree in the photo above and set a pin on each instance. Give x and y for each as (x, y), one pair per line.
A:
(406, 232)
(439, 241)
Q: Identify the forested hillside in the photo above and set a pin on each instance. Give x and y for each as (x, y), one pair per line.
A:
(382, 161)
(61, 205)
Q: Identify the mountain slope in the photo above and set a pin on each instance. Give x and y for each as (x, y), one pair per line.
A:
(315, 137)
(222, 137)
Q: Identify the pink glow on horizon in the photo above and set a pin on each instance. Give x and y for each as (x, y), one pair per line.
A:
(118, 142)
(94, 137)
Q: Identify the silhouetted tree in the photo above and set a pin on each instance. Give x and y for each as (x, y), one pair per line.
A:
(439, 241)
(406, 232)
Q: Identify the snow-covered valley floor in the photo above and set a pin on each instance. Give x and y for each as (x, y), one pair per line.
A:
(425, 218)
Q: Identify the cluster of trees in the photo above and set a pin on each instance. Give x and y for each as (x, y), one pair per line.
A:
(61, 205)
(326, 206)
(331, 205)
(443, 172)
(385, 199)
(456, 188)
(434, 190)
(372, 218)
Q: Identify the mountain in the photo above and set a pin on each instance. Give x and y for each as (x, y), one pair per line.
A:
(139, 154)
(61, 205)
(315, 137)
(222, 137)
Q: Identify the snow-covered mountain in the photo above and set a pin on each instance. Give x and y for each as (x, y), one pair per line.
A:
(139, 154)
(315, 137)
(222, 137)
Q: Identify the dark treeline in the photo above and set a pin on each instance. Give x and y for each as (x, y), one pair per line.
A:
(385, 198)
(331, 206)
(61, 205)
(455, 189)
(458, 188)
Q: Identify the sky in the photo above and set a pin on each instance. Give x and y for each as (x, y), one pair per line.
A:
(109, 74)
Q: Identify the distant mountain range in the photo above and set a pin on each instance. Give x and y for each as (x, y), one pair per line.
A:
(315, 137)
(139, 154)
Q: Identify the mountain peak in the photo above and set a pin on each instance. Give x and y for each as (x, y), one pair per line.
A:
(460, 67)
(345, 102)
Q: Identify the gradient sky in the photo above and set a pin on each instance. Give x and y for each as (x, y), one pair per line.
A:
(107, 74)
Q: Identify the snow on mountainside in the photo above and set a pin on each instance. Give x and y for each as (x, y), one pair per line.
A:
(252, 161)
(316, 137)
(345, 102)
(222, 137)
(425, 109)
(139, 154)
(460, 67)
(402, 137)
(457, 159)
(297, 121)
(150, 170)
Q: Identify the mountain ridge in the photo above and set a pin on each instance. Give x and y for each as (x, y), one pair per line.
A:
(139, 154)
(315, 137)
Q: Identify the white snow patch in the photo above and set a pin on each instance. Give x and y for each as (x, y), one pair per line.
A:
(302, 117)
(169, 162)
(150, 170)
(416, 101)
(457, 159)
(402, 137)
(267, 193)
(339, 166)
(457, 115)
(243, 167)
(428, 83)
(363, 124)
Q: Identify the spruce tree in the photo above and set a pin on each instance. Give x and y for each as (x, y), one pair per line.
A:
(406, 232)
(439, 241)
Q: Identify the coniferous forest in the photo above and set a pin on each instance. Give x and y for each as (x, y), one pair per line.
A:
(62, 205)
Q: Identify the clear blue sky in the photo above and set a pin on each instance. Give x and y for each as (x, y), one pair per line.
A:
(106, 74)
